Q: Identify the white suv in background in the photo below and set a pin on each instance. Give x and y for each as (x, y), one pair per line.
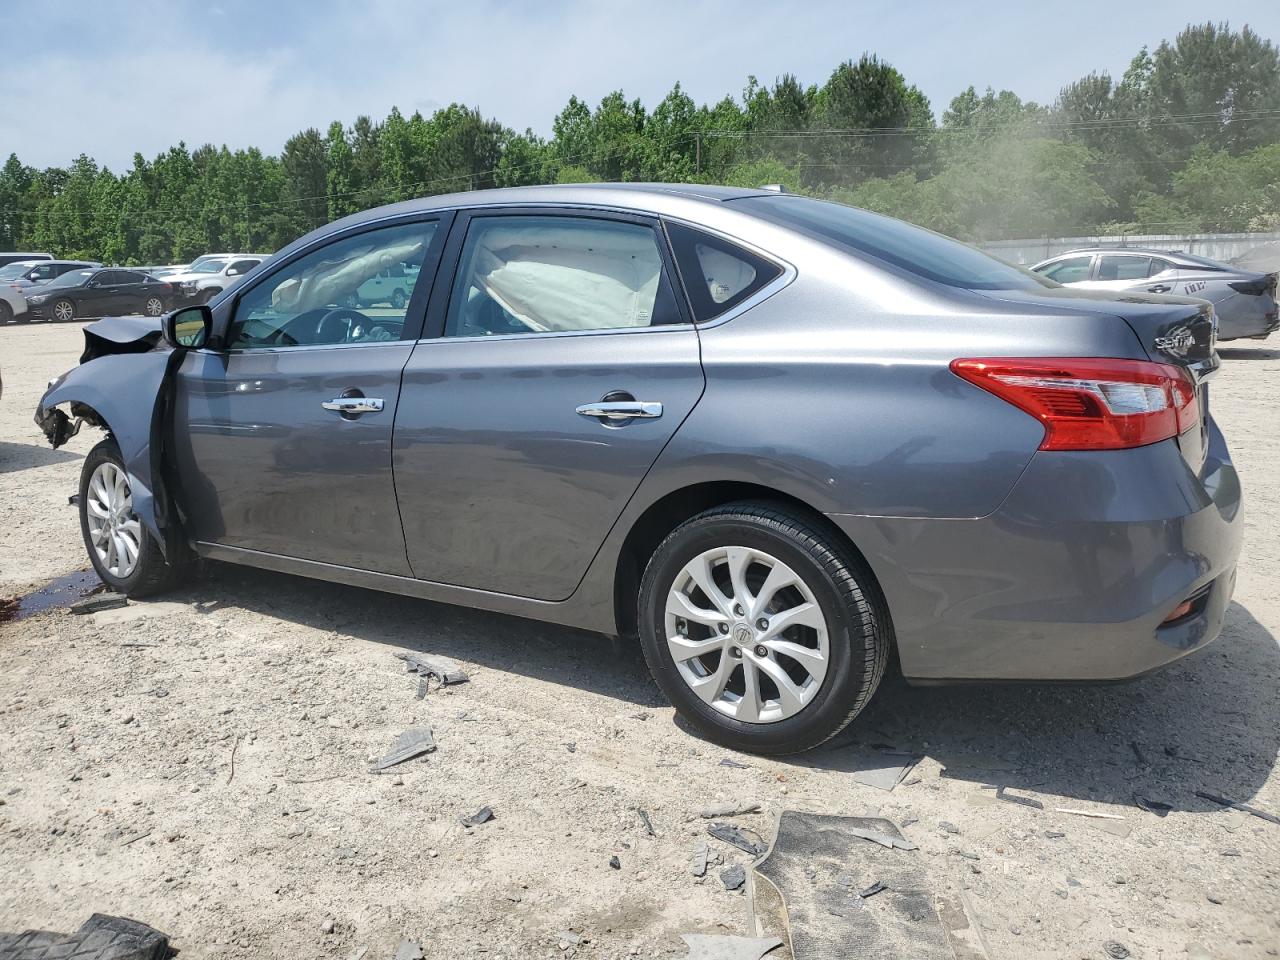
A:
(211, 274)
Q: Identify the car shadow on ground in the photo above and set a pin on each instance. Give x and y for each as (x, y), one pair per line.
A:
(27, 456)
(1248, 353)
(1209, 722)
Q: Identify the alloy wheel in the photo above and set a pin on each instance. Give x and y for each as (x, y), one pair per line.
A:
(114, 529)
(64, 311)
(154, 307)
(747, 634)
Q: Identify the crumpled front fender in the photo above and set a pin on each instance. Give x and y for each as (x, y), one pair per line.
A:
(121, 390)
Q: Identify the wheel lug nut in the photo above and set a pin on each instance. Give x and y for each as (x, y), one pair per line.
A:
(722, 627)
(762, 624)
(761, 650)
(737, 610)
(735, 652)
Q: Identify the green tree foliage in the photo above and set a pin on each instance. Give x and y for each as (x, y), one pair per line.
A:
(1188, 138)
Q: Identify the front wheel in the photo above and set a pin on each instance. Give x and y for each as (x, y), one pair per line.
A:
(398, 299)
(123, 553)
(64, 311)
(767, 633)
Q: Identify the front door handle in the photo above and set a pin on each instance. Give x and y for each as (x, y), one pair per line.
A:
(621, 409)
(1159, 288)
(353, 405)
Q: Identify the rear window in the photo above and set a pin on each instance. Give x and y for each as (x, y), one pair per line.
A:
(718, 275)
(913, 249)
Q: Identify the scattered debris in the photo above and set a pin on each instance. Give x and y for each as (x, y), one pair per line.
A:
(328, 926)
(73, 500)
(1054, 834)
(1088, 813)
(730, 810)
(1115, 950)
(615, 863)
(1137, 752)
(644, 818)
(948, 827)
(1231, 852)
(731, 834)
(872, 890)
(445, 671)
(1158, 807)
(567, 939)
(408, 950)
(1244, 807)
(571, 747)
(726, 762)
(483, 815)
(99, 936)
(884, 839)
(968, 855)
(885, 771)
(700, 859)
(1023, 801)
(711, 947)
(733, 877)
(409, 745)
(99, 601)
(135, 837)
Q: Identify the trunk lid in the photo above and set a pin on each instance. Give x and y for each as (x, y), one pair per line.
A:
(1180, 331)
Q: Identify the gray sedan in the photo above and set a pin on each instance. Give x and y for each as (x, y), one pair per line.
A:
(775, 440)
(1245, 301)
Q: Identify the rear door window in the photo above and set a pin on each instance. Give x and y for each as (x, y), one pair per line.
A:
(718, 275)
(1127, 267)
(524, 274)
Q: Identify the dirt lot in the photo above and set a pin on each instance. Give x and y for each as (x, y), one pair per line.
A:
(200, 763)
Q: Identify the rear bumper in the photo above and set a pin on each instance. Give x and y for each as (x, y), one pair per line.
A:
(1072, 577)
(1245, 315)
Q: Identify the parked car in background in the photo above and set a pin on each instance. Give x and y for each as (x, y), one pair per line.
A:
(207, 279)
(110, 292)
(392, 285)
(12, 303)
(1244, 300)
(777, 439)
(7, 258)
(41, 272)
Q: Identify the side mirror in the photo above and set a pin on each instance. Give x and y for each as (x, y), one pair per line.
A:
(188, 328)
(233, 272)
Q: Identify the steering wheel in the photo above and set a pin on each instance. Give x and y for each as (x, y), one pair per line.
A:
(327, 325)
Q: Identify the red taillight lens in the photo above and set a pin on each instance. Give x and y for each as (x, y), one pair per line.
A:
(1091, 403)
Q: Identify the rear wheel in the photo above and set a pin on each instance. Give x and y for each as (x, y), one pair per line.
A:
(63, 311)
(153, 307)
(123, 553)
(398, 299)
(765, 631)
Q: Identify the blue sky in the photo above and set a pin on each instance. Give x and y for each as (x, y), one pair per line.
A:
(109, 78)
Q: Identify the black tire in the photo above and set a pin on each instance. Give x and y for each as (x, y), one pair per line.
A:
(149, 303)
(858, 625)
(6, 312)
(152, 574)
(53, 309)
(398, 299)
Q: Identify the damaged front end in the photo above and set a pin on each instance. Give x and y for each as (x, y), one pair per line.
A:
(121, 386)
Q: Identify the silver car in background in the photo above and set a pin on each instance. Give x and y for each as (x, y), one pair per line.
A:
(1244, 300)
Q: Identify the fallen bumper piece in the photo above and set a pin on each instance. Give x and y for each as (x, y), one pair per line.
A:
(407, 746)
(101, 937)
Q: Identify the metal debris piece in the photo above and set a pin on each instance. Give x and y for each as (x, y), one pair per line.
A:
(410, 744)
(644, 818)
(99, 601)
(884, 839)
(483, 815)
(615, 863)
(730, 810)
(700, 858)
(733, 877)
(1158, 807)
(1024, 801)
(949, 827)
(1115, 950)
(726, 762)
(446, 671)
(731, 834)
(1088, 813)
(704, 946)
(1244, 807)
(408, 950)
(1054, 834)
(872, 890)
(885, 770)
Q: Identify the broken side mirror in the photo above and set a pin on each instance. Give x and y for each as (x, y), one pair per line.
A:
(188, 328)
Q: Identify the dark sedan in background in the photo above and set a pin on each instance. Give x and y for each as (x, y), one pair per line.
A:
(99, 293)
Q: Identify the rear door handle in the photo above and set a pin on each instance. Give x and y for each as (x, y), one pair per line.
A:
(1159, 288)
(621, 409)
(353, 405)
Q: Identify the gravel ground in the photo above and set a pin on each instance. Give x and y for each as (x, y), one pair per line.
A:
(199, 763)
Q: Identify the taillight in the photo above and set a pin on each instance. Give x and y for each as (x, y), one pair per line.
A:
(1091, 403)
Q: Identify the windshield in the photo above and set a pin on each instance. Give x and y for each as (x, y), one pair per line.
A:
(72, 279)
(13, 271)
(209, 266)
(914, 249)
